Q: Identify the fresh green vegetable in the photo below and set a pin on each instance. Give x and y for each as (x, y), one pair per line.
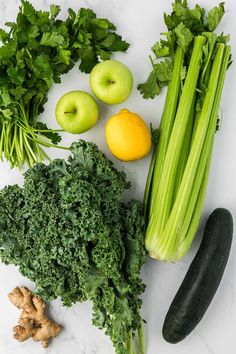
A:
(68, 230)
(202, 279)
(35, 52)
(194, 67)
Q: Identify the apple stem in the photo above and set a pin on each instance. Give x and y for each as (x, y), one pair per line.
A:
(74, 111)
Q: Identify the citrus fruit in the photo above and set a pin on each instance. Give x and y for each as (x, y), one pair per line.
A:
(128, 136)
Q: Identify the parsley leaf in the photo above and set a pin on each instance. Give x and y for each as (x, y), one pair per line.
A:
(52, 39)
(54, 11)
(53, 136)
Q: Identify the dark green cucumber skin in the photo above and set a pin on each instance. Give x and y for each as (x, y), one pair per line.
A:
(202, 279)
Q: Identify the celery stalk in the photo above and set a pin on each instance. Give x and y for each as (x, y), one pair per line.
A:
(163, 196)
(200, 152)
(185, 150)
(167, 121)
(179, 170)
(190, 224)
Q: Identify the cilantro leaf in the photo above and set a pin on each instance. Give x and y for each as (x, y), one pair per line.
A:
(215, 15)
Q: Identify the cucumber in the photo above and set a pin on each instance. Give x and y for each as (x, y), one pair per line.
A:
(202, 279)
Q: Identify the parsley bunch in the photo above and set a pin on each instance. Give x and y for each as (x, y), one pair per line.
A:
(35, 52)
(68, 230)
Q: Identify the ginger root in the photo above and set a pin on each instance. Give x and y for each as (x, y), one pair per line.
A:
(33, 321)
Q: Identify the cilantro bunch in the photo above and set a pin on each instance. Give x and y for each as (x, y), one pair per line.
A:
(68, 230)
(35, 52)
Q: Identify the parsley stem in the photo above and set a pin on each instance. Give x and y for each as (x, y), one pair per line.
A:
(27, 144)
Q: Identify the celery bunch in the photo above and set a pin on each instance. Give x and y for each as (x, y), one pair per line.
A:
(193, 65)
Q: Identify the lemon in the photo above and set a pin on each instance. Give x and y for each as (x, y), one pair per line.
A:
(128, 136)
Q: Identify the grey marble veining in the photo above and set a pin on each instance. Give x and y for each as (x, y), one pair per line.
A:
(140, 22)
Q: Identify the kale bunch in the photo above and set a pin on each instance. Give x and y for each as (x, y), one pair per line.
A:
(68, 230)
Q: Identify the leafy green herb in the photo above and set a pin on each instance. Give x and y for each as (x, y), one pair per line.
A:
(68, 230)
(37, 49)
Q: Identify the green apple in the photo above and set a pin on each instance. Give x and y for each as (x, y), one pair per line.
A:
(111, 81)
(76, 112)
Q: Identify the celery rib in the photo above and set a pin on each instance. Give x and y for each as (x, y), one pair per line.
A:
(167, 122)
(192, 224)
(183, 209)
(165, 186)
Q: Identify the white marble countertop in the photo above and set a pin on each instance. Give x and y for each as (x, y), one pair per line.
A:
(140, 22)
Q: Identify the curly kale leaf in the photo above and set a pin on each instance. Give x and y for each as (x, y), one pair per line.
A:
(68, 230)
